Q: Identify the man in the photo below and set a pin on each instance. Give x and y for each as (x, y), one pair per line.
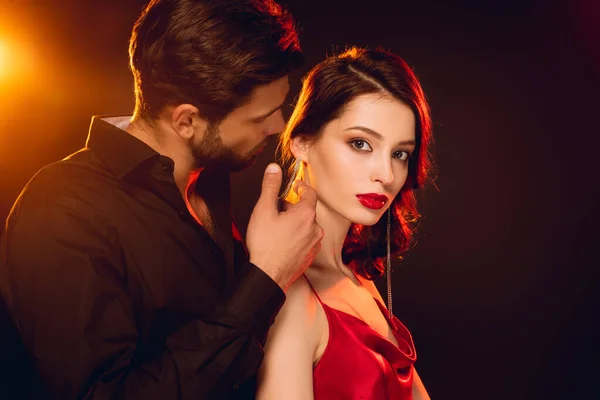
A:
(120, 264)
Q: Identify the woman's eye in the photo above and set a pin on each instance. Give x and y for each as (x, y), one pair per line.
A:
(360, 144)
(401, 155)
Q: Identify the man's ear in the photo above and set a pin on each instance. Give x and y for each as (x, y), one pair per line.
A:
(186, 120)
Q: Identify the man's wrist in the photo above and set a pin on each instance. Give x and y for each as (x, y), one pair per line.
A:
(271, 271)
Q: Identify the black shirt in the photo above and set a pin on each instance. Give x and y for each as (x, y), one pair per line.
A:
(118, 292)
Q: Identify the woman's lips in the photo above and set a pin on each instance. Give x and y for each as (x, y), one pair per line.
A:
(374, 201)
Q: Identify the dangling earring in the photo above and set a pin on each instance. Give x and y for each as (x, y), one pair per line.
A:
(288, 187)
(388, 267)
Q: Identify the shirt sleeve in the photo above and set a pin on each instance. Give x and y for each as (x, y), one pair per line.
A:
(67, 285)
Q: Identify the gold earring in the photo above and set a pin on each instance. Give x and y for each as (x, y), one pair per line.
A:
(288, 187)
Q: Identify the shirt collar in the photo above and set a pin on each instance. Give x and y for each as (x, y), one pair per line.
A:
(117, 149)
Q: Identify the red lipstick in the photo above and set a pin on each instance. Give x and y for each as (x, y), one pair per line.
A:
(374, 201)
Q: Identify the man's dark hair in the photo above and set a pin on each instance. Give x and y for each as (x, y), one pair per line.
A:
(212, 54)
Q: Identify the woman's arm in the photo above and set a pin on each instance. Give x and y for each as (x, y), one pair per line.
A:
(287, 369)
(418, 389)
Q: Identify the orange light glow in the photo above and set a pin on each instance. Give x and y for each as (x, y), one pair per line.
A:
(3, 60)
(16, 65)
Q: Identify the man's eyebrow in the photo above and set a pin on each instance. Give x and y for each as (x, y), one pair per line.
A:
(268, 114)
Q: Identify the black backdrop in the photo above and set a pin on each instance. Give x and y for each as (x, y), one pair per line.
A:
(499, 292)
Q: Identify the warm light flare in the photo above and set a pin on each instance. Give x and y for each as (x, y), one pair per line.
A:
(3, 59)
(16, 65)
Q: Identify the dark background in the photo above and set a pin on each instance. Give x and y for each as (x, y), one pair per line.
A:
(500, 292)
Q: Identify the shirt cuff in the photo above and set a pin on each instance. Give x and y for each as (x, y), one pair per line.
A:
(254, 300)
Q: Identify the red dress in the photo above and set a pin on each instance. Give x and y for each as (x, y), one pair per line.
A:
(359, 363)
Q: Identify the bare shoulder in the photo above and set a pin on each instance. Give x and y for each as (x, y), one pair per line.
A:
(300, 305)
(287, 368)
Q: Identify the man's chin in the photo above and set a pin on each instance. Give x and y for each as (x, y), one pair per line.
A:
(249, 159)
(235, 164)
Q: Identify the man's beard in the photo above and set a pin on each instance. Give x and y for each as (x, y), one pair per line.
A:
(211, 152)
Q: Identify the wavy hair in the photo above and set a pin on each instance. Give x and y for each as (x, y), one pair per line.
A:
(326, 91)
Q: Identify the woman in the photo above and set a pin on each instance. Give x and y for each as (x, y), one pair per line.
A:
(360, 135)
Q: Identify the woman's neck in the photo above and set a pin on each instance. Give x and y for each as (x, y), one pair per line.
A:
(335, 228)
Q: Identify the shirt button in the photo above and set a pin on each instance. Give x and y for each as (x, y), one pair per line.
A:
(167, 167)
(236, 386)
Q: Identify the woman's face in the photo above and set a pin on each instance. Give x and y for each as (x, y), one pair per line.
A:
(360, 162)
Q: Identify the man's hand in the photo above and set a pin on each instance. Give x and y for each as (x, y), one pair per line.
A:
(283, 244)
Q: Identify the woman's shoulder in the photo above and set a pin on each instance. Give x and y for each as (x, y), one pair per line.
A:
(300, 315)
(300, 300)
(292, 343)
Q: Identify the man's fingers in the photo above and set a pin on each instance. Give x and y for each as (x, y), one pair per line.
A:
(270, 187)
(308, 196)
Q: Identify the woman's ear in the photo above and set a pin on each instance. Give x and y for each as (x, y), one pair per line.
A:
(299, 147)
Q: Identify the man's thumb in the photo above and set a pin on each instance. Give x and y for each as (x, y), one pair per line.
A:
(270, 186)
